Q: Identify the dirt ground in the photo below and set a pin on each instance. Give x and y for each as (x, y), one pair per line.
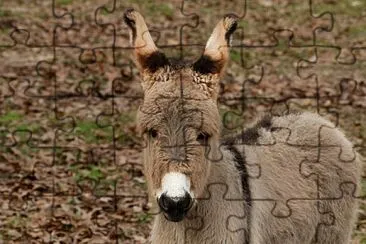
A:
(70, 163)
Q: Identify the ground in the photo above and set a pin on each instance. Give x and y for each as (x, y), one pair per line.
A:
(70, 163)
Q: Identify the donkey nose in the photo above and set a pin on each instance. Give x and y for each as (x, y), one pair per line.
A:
(175, 208)
(180, 203)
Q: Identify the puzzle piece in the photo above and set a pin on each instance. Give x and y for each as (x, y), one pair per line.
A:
(266, 82)
(82, 21)
(342, 76)
(35, 27)
(264, 18)
(346, 38)
(6, 26)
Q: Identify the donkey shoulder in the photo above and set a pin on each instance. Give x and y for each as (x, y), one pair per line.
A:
(307, 128)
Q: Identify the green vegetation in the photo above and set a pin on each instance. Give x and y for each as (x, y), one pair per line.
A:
(92, 133)
(347, 8)
(235, 56)
(164, 9)
(244, 24)
(357, 31)
(34, 127)
(125, 119)
(17, 221)
(156, 8)
(17, 124)
(232, 120)
(91, 172)
(144, 218)
(5, 13)
(63, 2)
(93, 177)
(142, 185)
(104, 11)
(10, 117)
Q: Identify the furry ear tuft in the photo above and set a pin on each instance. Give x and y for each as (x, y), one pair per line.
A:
(216, 54)
(147, 56)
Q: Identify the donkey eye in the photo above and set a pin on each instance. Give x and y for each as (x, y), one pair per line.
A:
(202, 137)
(153, 133)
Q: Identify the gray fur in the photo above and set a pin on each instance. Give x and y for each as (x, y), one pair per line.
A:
(280, 180)
(303, 160)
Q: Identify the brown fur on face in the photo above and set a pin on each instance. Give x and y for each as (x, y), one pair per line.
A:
(179, 104)
(178, 121)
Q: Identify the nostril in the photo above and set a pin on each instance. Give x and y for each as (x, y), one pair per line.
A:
(185, 202)
(167, 203)
(164, 202)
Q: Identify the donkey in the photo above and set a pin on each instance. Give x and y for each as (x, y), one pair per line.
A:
(205, 187)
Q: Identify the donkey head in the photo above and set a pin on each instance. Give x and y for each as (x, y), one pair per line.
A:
(179, 117)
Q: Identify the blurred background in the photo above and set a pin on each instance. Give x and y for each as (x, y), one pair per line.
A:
(70, 165)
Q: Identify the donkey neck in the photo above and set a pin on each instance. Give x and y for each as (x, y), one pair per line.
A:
(220, 216)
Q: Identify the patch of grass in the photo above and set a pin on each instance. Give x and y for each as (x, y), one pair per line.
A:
(357, 31)
(363, 240)
(5, 13)
(347, 8)
(163, 9)
(17, 221)
(86, 126)
(94, 173)
(155, 8)
(142, 185)
(125, 119)
(231, 119)
(43, 15)
(104, 11)
(10, 117)
(235, 56)
(63, 2)
(5, 30)
(363, 187)
(92, 133)
(94, 177)
(31, 127)
(26, 150)
(144, 218)
(23, 131)
(363, 132)
(244, 23)
(91, 172)
(104, 186)
(206, 10)
(17, 122)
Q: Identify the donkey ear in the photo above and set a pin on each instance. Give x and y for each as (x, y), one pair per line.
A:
(216, 54)
(147, 56)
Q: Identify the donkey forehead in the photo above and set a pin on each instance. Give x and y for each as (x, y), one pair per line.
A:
(180, 81)
(169, 112)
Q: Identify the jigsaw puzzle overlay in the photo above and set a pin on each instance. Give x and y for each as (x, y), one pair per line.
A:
(70, 153)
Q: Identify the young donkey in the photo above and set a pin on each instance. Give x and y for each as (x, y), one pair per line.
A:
(204, 187)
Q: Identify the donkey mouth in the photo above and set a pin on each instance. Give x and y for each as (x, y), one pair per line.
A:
(175, 217)
(175, 208)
